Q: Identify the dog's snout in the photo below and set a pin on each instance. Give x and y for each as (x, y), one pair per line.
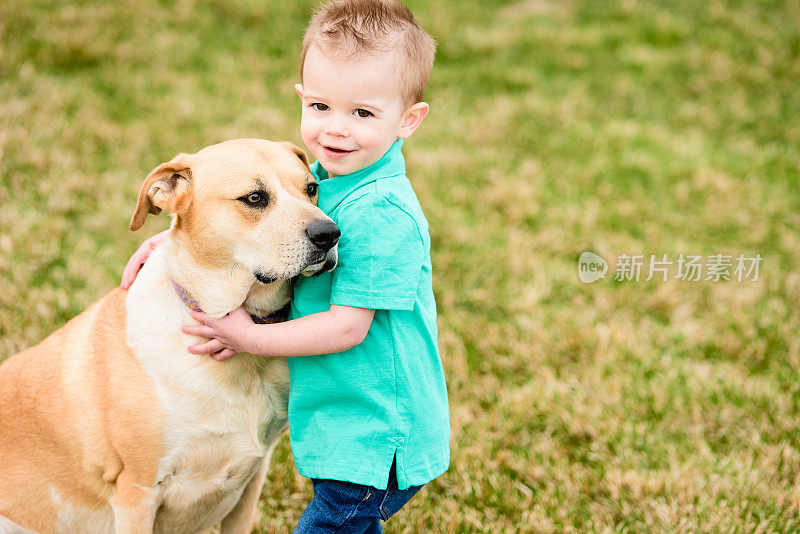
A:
(324, 234)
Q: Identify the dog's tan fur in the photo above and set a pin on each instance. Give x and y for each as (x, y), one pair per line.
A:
(109, 424)
(63, 390)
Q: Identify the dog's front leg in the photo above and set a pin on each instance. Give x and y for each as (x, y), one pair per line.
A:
(134, 504)
(242, 518)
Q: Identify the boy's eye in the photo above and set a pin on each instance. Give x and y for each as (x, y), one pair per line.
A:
(256, 199)
(363, 113)
(319, 106)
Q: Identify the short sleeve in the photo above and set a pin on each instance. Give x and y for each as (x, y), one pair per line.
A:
(380, 256)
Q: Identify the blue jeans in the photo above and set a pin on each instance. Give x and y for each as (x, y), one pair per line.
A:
(347, 508)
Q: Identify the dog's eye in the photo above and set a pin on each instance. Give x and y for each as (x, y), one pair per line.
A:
(256, 199)
(311, 189)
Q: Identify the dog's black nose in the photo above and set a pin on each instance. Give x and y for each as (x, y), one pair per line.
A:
(324, 234)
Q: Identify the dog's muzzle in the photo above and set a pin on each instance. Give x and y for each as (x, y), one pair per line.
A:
(263, 277)
(328, 264)
(321, 252)
(324, 235)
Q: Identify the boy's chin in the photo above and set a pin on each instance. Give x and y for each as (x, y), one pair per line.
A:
(338, 168)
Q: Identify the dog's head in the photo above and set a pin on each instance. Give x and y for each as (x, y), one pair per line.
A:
(245, 202)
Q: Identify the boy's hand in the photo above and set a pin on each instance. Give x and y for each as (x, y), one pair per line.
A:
(227, 334)
(139, 257)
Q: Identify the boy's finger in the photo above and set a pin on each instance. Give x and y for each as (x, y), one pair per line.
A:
(223, 355)
(200, 317)
(126, 279)
(209, 347)
(133, 266)
(198, 330)
(124, 283)
(129, 275)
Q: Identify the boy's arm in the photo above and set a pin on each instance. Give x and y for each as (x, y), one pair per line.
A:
(336, 330)
(139, 257)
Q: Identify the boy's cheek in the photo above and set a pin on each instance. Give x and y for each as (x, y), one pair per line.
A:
(308, 128)
(307, 136)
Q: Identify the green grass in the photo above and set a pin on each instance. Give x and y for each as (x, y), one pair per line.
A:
(620, 127)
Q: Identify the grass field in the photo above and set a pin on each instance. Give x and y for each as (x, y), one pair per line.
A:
(557, 127)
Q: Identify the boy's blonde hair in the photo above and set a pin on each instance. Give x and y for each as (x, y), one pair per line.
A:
(358, 26)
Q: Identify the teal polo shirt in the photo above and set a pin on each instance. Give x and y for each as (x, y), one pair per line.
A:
(352, 413)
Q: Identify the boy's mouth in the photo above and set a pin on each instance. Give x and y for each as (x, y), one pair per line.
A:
(333, 152)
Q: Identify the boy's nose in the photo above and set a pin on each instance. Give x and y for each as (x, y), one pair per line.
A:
(336, 126)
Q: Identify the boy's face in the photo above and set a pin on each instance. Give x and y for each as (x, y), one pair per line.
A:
(352, 109)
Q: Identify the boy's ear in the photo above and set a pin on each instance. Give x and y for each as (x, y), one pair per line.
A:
(412, 119)
(298, 88)
(167, 187)
(296, 151)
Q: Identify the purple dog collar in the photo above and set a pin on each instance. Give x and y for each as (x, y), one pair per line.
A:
(276, 317)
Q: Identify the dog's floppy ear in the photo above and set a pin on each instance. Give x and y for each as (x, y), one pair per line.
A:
(167, 187)
(295, 150)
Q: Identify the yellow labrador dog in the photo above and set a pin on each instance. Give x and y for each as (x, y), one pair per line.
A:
(109, 424)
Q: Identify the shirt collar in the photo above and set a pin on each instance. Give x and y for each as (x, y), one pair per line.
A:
(332, 191)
